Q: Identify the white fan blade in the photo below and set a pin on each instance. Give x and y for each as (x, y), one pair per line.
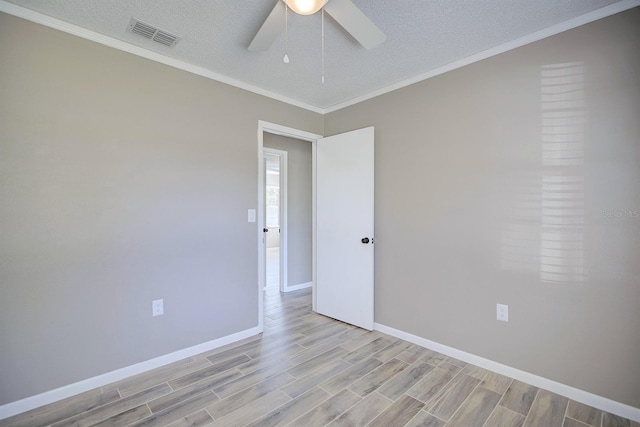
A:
(355, 22)
(270, 30)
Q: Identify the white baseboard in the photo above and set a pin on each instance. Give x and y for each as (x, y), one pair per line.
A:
(29, 403)
(578, 395)
(299, 286)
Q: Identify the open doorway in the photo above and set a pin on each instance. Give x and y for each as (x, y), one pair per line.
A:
(295, 218)
(288, 211)
(275, 196)
(342, 168)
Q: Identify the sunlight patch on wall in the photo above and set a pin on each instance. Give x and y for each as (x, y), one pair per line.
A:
(562, 221)
(544, 234)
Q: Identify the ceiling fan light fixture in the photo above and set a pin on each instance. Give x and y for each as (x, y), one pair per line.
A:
(305, 7)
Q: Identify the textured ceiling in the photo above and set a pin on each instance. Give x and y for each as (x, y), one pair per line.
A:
(422, 35)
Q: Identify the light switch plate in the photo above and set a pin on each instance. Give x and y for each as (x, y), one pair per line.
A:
(502, 312)
(251, 215)
(157, 307)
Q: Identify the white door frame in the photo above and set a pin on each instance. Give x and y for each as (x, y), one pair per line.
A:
(283, 281)
(277, 129)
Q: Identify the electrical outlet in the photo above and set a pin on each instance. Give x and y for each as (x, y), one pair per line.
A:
(157, 307)
(502, 312)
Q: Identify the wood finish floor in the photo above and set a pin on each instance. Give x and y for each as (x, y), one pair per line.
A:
(308, 370)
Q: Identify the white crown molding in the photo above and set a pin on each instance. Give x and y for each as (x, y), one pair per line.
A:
(530, 38)
(26, 404)
(57, 24)
(576, 394)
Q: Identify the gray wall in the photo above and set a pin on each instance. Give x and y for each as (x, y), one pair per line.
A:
(121, 181)
(491, 189)
(298, 205)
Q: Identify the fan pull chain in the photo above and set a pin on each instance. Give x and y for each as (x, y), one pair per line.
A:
(323, 45)
(285, 58)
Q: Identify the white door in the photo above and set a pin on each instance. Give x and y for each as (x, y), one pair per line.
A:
(344, 224)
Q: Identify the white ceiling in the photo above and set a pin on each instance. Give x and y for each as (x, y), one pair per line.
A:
(424, 37)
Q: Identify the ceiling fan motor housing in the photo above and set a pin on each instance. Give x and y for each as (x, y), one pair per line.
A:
(305, 7)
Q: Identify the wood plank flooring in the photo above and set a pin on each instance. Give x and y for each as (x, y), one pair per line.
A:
(309, 370)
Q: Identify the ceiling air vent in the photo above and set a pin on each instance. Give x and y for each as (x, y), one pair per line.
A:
(152, 33)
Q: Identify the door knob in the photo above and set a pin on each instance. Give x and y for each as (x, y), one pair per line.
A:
(365, 240)
(265, 230)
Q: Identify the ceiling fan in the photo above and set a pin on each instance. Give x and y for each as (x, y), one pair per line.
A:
(344, 12)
